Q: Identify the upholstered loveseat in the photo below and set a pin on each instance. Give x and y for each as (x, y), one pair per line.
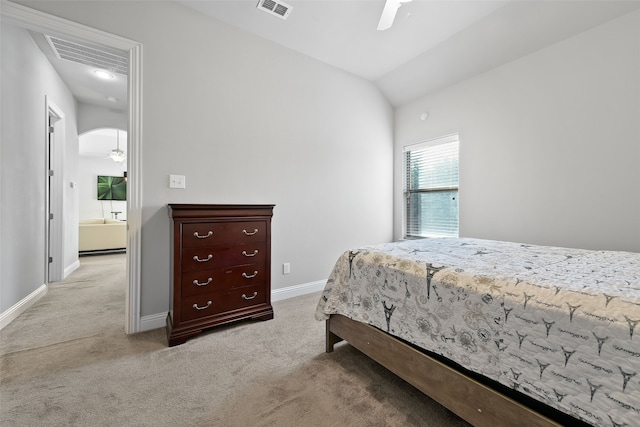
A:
(101, 234)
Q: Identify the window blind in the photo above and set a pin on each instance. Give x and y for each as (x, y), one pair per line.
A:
(431, 188)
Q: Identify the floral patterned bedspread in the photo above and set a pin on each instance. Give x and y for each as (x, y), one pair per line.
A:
(557, 324)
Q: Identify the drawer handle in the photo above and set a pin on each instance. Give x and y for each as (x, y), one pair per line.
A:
(255, 273)
(195, 258)
(209, 234)
(195, 282)
(255, 294)
(246, 233)
(202, 308)
(255, 252)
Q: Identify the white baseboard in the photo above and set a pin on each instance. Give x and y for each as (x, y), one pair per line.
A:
(297, 290)
(22, 306)
(159, 320)
(70, 269)
(153, 321)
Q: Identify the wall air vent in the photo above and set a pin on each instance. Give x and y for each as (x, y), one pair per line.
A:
(85, 55)
(276, 8)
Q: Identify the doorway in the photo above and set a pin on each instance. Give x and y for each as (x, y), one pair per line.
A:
(54, 226)
(102, 192)
(34, 20)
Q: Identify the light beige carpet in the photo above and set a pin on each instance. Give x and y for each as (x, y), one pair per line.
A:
(67, 362)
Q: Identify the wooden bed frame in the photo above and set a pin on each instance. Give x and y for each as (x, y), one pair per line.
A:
(471, 400)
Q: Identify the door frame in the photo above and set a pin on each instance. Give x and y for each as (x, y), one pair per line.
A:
(54, 162)
(32, 19)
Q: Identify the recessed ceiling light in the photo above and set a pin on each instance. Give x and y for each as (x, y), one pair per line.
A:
(103, 74)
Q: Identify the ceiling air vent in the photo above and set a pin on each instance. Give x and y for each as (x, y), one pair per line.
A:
(85, 55)
(277, 8)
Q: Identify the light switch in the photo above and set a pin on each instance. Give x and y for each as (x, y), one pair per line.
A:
(177, 181)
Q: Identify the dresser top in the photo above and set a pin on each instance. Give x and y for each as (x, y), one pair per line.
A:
(177, 210)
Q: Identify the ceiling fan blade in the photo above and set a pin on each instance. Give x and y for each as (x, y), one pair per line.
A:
(389, 13)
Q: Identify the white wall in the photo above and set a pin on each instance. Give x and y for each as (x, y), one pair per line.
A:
(549, 144)
(247, 121)
(26, 78)
(92, 117)
(90, 206)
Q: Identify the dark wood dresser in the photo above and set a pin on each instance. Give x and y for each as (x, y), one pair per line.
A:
(220, 266)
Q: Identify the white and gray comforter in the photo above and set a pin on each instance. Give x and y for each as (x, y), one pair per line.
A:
(556, 324)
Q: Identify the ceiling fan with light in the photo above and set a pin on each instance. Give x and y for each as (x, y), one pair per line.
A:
(389, 13)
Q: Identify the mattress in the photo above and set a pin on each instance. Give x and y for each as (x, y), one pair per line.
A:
(557, 324)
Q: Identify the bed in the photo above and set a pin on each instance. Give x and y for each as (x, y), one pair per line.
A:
(500, 333)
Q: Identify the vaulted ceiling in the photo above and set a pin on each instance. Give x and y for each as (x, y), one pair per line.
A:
(432, 43)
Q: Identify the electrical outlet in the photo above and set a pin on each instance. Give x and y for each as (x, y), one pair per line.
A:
(286, 268)
(177, 181)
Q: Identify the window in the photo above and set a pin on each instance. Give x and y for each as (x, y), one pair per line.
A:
(431, 188)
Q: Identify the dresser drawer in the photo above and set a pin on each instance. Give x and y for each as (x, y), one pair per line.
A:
(194, 259)
(220, 279)
(197, 307)
(218, 233)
